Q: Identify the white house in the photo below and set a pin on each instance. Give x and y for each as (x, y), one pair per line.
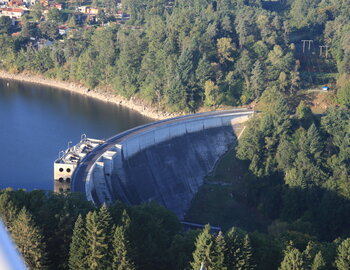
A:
(13, 13)
(63, 30)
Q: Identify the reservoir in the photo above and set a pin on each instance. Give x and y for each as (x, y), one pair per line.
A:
(36, 122)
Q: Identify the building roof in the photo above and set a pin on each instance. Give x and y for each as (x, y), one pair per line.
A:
(12, 9)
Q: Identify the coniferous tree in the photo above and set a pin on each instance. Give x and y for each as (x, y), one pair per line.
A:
(77, 250)
(307, 169)
(257, 80)
(121, 256)
(29, 240)
(314, 142)
(203, 253)
(105, 221)
(293, 259)
(8, 211)
(235, 250)
(281, 118)
(342, 261)
(286, 153)
(318, 263)
(247, 263)
(125, 220)
(294, 82)
(219, 252)
(96, 245)
(312, 257)
(121, 246)
(309, 253)
(204, 71)
(304, 114)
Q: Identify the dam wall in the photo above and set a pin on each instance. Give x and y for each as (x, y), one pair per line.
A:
(165, 162)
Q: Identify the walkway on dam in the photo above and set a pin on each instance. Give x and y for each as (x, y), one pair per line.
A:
(80, 174)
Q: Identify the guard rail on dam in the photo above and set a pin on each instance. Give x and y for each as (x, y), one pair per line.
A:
(164, 161)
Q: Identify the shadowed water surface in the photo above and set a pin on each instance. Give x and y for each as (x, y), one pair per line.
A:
(36, 122)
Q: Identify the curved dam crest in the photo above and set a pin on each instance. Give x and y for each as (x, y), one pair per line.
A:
(165, 161)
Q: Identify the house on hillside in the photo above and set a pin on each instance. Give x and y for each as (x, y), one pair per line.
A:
(16, 34)
(88, 10)
(16, 3)
(63, 30)
(59, 6)
(13, 13)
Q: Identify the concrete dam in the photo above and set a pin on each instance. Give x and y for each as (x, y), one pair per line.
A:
(164, 161)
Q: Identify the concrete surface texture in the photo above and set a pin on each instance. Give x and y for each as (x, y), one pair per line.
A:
(164, 162)
(68, 160)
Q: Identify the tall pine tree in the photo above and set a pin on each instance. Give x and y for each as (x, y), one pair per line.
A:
(121, 256)
(8, 211)
(96, 244)
(219, 252)
(257, 80)
(203, 253)
(235, 251)
(77, 250)
(247, 260)
(105, 223)
(29, 240)
(121, 246)
(318, 263)
(293, 259)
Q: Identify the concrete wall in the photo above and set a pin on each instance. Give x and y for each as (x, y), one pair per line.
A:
(164, 162)
(62, 176)
(138, 142)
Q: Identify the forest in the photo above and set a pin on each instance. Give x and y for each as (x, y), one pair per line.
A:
(183, 55)
(297, 177)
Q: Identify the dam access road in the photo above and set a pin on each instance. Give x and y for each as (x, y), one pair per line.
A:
(164, 161)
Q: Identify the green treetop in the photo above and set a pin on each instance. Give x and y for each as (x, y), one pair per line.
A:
(342, 261)
(203, 253)
(77, 250)
(29, 240)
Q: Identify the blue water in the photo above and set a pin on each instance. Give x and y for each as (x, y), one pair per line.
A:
(36, 122)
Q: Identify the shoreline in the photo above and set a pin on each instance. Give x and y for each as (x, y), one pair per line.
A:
(101, 94)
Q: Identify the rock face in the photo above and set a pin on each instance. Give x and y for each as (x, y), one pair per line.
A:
(165, 162)
(171, 172)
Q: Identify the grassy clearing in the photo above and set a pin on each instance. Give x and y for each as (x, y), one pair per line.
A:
(318, 100)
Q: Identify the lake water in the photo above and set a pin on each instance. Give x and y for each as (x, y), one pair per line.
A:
(36, 122)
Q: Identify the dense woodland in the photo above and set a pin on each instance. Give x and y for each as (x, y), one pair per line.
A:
(182, 55)
(298, 178)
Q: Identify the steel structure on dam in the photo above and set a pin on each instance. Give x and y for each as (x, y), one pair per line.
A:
(164, 161)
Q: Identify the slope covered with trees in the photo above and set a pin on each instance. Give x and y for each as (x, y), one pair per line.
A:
(180, 56)
(185, 54)
(309, 228)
